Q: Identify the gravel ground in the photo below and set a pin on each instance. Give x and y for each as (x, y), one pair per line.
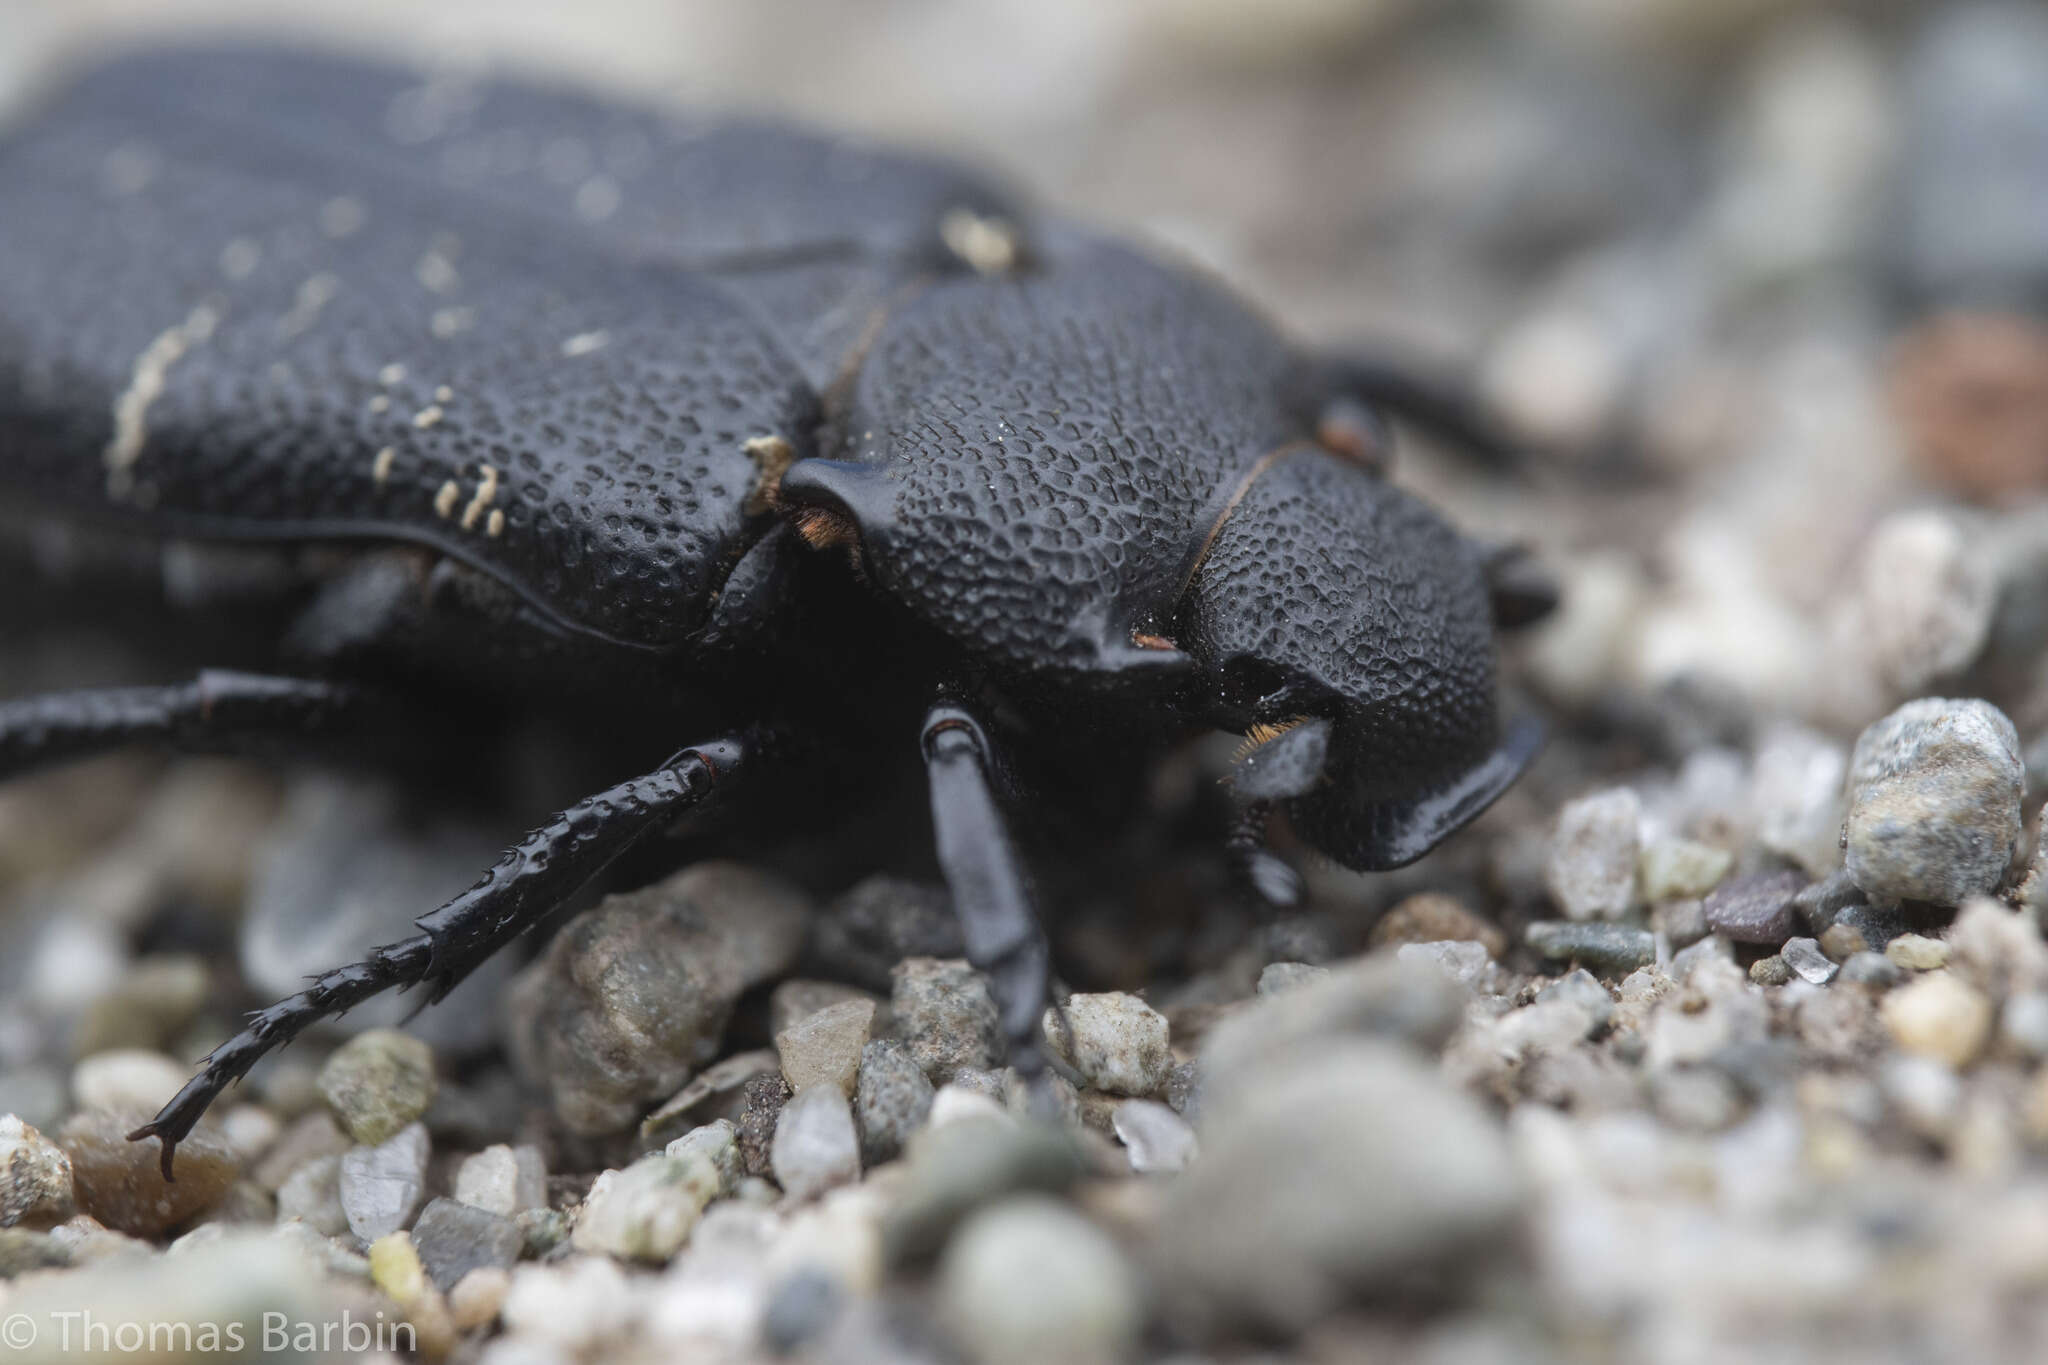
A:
(1722, 1036)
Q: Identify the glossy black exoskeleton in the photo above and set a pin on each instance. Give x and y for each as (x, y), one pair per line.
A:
(831, 455)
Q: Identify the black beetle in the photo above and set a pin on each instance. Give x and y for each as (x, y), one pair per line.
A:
(740, 431)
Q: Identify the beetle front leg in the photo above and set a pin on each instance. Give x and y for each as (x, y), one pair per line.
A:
(213, 711)
(534, 877)
(982, 869)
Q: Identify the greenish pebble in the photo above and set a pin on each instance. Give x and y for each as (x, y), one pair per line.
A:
(1611, 949)
(378, 1082)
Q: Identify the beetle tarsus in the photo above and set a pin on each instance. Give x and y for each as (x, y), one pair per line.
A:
(990, 891)
(519, 890)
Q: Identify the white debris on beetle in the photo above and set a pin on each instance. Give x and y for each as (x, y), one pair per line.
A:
(145, 386)
(583, 343)
(486, 490)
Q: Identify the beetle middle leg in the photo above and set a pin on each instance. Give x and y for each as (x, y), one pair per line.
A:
(990, 892)
(533, 877)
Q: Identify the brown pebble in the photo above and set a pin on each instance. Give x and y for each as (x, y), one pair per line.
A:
(1972, 389)
(119, 1182)
(1843, 941)
(1432, 917)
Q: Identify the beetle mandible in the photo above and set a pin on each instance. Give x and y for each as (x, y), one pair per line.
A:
(819, 455)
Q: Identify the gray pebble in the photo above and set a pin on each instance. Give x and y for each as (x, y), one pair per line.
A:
(1871, 969)
(1756, 909)
(1341, 1169)
(1581, 988)
(893, 1100)
(2024, 1022)
(1462, 960)
(1805, 957)
(717, 1142)
(953, 1168)
(1156, 1138)
(646, 1211)
(454, 1238)
(1592, 869)
(312, 1195)
(1610, 949)
(1820, 903)
(816, 1145)
(381, 1186)
(1276, 977)
(503, 1179)
(1378, 995)
(1184, 1090)
(1031, 1280)
(945, 1016)
(801, 1306)
(633, 996)
(1934, 801)
(1114, 1040)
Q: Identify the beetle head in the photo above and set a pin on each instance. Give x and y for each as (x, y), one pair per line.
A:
(1350, 630)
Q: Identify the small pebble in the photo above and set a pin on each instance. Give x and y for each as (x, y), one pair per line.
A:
(632, 997)
(477, 1296)
(762, 1098)
(1675, 869)
(719, 1144)
(1756, 909)
(454, 1238)
(1609, 949)
(503, 1180)
(1592, 868)
(1843, 941)
(1461, 960)
(1939, 1016)
(575, 1304)
(1276, 977)
(35, 1178)
(1116, 1041)
(381, 1186)
(797, 999)
(1156, 1138)
(893, 1100)
(378, 1082)
(1805, 957)
(1934, 801)
(646, 1211)
(816, 1145)
(127, 1079)
(119, 1182)
(953, 1168)
(1917, 952)
(313, 1196)
(1821, 903)
(1771, 971)
(1432, 917)
(1872, 969)
(945, 1016)
(1030, 1280)
(2023, 1023)
(311, 1135)
(825, 1048)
